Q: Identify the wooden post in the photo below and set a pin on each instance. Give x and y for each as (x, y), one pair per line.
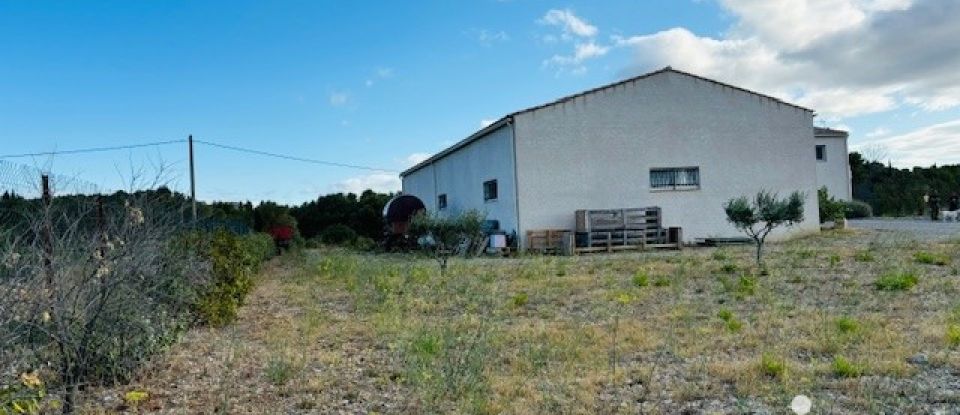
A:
(47, 199)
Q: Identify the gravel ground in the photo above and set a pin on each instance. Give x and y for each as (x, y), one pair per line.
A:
(919, 228)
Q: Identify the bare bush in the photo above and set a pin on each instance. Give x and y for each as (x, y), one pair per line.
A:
(91, 287)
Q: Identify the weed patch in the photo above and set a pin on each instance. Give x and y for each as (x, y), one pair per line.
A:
(640, 279)
(930, 258)
(844, 368)
(896, 281)
(773, 366)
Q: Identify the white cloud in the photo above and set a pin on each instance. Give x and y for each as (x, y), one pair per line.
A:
(416, 158)
(379, 74)
(339, 99)
(933, 144)
(489, 37)
(569, 22)
(878, 132)
(575, 30)
(842, 58)
(486, 121)
(378, 182)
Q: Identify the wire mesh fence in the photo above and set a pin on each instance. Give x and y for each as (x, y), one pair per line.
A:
(27, 182)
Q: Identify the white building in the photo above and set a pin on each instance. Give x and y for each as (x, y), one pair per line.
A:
(832, 173)
(668, 138)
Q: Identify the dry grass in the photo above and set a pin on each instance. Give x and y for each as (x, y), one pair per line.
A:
(661, 332)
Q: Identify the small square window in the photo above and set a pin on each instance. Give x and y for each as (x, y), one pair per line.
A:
(442, 201)
(821, 152)
(490, 190)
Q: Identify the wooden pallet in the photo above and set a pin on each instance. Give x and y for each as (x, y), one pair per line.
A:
(548, 241)
(614, 219)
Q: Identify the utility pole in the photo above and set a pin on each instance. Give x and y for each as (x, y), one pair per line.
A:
(193, 180)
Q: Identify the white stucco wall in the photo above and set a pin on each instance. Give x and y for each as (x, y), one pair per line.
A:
(834, 172)
(596, 152)
(460, 175)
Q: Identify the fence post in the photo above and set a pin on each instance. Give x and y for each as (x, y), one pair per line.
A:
(47, 199)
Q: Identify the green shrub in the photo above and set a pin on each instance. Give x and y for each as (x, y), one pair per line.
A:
(830, 208)
(363, 243)
(259, 245)
(338, 234)
(953, 335)
(930, 258)
(640, 279)
(773, 366)
(843, 368)
(896, 281)
(856, 209)
(235, 260)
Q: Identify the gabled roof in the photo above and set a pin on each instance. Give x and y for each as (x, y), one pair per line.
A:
(829, 132)
(509, 117)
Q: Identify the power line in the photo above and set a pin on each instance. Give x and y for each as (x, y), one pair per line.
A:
(209, 143)
(92, 149)
(294, 158)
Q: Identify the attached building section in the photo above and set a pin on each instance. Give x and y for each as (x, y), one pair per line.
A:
(833, 162)
(477, 175)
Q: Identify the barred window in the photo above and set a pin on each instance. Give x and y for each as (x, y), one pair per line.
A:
(675, 178)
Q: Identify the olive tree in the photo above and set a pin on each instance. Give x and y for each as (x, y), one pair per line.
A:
(447, 235)
(760, 216)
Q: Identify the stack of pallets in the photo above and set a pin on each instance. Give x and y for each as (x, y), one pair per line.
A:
(608, 230)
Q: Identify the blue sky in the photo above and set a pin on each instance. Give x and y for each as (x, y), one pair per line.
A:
(385, 83)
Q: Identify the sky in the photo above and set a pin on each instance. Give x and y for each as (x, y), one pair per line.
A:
(385, 84)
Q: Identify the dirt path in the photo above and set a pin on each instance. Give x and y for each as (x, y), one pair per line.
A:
(295, 348)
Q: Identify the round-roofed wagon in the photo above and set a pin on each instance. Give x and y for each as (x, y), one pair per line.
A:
(397, 214)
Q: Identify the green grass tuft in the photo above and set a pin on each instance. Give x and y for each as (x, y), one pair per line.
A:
(279, 371)
(661, 281)
(930, 258)
(843, 368)
(864, 256)
(520, 299)
(953, 335)
(773, 366)
(847, 325)
(640, 279)
(896, 281)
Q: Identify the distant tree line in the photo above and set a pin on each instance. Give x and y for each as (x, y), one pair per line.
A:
(900, 192)
(358, 216)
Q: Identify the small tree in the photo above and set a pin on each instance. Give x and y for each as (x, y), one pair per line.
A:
(444, 235)
(766, 212)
